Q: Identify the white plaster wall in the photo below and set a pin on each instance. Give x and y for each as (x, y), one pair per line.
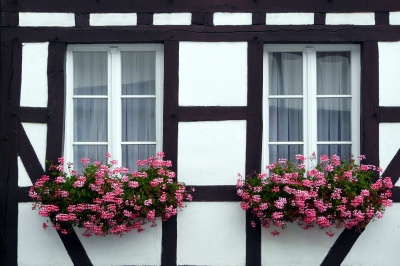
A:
(389, 143)
(34, 74)
(394, 18)
(134, 248)
(379, 244)
(213, 73)
(36, 246)
(113, 19)
(211, 233)
(367, 18)
(389, 69)
(172, 19)
(295, 246)
(23, 177)
(211, 153)
(37, 135)
(30, 19)
(225, 18)
(289, 19)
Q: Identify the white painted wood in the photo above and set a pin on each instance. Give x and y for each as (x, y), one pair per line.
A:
(37, 135)
(379, 243)
(289, 19)
(367, 18)
(213, 74)
(36, 246)
(34, 89)
(172, 19)
(211, 153)
(134, 248)
(389, 69)
(295, 246)
(211, 233)
(113, 19)
(226, 18)
(394, 18)
(389, 143)
(31, 19)
(23, 177)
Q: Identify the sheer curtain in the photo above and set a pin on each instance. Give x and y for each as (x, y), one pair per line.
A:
(138, 106)
(334, 103)
(285, 114)
(90, 106)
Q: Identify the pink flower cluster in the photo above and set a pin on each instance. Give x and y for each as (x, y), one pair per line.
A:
(334, 193)
(107, 199)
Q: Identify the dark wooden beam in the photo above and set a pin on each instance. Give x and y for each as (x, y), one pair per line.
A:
(187, 114)
(215, 193)
(33, 114)
(389, 114)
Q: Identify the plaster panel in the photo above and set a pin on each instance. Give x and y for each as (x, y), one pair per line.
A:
(211, 153)
(34, 91)
(172, 19)
(23, 177)
(389, 69)
(213, 73)
(367, 18)
(289, 19)
(225, 18)
(113, 19)
(379, 243)
(134, 248)
(37, 135)
(211, 233)
(389, 143)
(29, 19)
(36, 246)
(295, 246)
(394, 18)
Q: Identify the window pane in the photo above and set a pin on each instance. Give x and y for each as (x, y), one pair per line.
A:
(285, 119)
(344, 151)
(333, 73)
(138, 120)
(132, 153)
(285, 73)
(90, 73)
(284, 152)
(93, 152)
(138, 73)
(90, 120)
(334, 119)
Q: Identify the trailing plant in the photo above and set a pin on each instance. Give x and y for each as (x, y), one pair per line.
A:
(333, 193)
(106, 199)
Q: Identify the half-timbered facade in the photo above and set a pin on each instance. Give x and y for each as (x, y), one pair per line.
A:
(210, 72)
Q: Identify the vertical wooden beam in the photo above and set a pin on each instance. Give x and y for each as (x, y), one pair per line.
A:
(11, 65)
(254, 139)
(170, 141)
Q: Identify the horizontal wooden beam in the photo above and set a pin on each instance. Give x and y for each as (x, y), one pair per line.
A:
(108, 6)
(389, 114)
(215, 193)
(33, 115)
(187, 114)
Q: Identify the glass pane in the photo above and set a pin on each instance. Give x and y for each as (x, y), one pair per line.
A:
(93, 152)
(344, 151)
(333, 73)
(334, 119)
(90, 73)
(284, 152)
(285, 73)
(132, 153)
(138, 120)
(138, 73)
(285, 119)
(90, 120)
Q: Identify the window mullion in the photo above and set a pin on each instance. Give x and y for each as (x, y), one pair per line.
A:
(68, 146)
(114, 118)
(311, 101)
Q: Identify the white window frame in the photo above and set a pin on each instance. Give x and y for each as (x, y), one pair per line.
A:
(310, 95)
(113, 95)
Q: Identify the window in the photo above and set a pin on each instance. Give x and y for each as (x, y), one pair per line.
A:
(311, 100)
(113, 102)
